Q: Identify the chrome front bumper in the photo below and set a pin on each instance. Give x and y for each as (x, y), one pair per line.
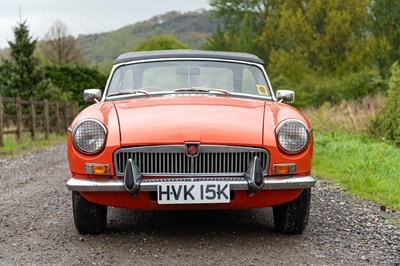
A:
(239, 183)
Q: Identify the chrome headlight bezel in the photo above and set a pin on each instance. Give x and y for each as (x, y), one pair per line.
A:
(78, 146)
(304, 143)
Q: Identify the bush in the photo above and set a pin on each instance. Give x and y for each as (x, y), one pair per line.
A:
(72, 80)
(387, 123)
(314, 90)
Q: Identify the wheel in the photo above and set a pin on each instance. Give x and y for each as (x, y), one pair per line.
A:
(89, 218)
(292, 217)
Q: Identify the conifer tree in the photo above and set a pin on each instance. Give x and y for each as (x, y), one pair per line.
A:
(218, 41)
(245, 38)
(22, 75)
(387, 122)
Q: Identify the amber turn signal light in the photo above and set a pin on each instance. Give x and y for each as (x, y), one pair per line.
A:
(96, 168)
(284, 168)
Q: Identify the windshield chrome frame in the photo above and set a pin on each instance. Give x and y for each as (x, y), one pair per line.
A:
(162, 93)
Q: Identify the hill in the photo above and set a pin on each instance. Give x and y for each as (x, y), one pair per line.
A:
(191, 28)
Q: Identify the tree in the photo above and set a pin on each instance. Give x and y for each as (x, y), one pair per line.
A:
(243, 23)
(22, 75)
(386, 24)
(320, 46)
(59, 47)
(330, 37)
(245, 39)
(163, 42)
(233, 12)
(218, 41)
(325, 50)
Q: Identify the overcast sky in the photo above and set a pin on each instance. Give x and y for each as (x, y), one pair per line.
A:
(84, 16)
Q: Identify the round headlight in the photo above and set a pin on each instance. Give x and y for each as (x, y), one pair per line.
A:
(89, 136)
(293, 136)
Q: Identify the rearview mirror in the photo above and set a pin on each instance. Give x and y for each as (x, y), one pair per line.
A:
(185, 71)
(285, 96)
(92, 95)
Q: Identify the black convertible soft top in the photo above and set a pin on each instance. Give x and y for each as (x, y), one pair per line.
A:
(128, 57)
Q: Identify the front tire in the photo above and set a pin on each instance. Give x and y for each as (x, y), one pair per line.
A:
(292, 217)
(89, 218)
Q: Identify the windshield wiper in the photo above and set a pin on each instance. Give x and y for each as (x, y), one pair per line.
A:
(129, 92)
(201, 89)
(120, 93)
(222, 91)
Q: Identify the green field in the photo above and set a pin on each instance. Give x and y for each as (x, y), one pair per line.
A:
(12, 149)
(363, 166)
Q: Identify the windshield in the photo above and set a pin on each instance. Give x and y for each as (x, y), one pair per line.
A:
(178, 75)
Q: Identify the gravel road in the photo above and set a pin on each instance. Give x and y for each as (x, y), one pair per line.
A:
(36, 228)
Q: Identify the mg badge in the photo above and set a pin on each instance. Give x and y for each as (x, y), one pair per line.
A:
(192, 149)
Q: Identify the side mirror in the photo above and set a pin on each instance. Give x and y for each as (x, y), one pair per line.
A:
(92, 95)
(285, 96)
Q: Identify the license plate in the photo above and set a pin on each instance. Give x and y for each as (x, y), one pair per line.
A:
(193, 192)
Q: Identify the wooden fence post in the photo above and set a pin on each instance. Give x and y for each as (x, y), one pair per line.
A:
(19, 119)
(66, 114)
(32, 118)
(63, 113)
(75, 109)
(1, 122)
(58, 120)
(46, 119)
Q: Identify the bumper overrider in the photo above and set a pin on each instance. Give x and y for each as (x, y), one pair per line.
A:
(133, 182)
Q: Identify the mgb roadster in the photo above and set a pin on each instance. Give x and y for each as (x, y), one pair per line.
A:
(189, 130)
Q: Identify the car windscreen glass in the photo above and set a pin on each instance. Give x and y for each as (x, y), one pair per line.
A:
(173, 75)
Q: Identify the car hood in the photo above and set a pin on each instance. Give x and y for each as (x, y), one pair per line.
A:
(180, 119)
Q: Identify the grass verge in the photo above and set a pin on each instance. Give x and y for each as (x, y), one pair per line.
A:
(363, 166)
(12, 148)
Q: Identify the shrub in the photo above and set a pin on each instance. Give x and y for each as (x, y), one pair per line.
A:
(72, 80)
(386, 123)
(314, 90)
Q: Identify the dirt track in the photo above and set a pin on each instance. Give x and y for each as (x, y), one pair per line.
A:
(36, 228)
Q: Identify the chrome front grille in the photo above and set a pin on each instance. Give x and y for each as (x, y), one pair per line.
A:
(172, 160)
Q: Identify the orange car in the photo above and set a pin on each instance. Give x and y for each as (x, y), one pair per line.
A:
(184, 129)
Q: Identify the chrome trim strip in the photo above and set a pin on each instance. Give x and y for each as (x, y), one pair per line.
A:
(98, 185)
(116, 185)
(182, 149)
